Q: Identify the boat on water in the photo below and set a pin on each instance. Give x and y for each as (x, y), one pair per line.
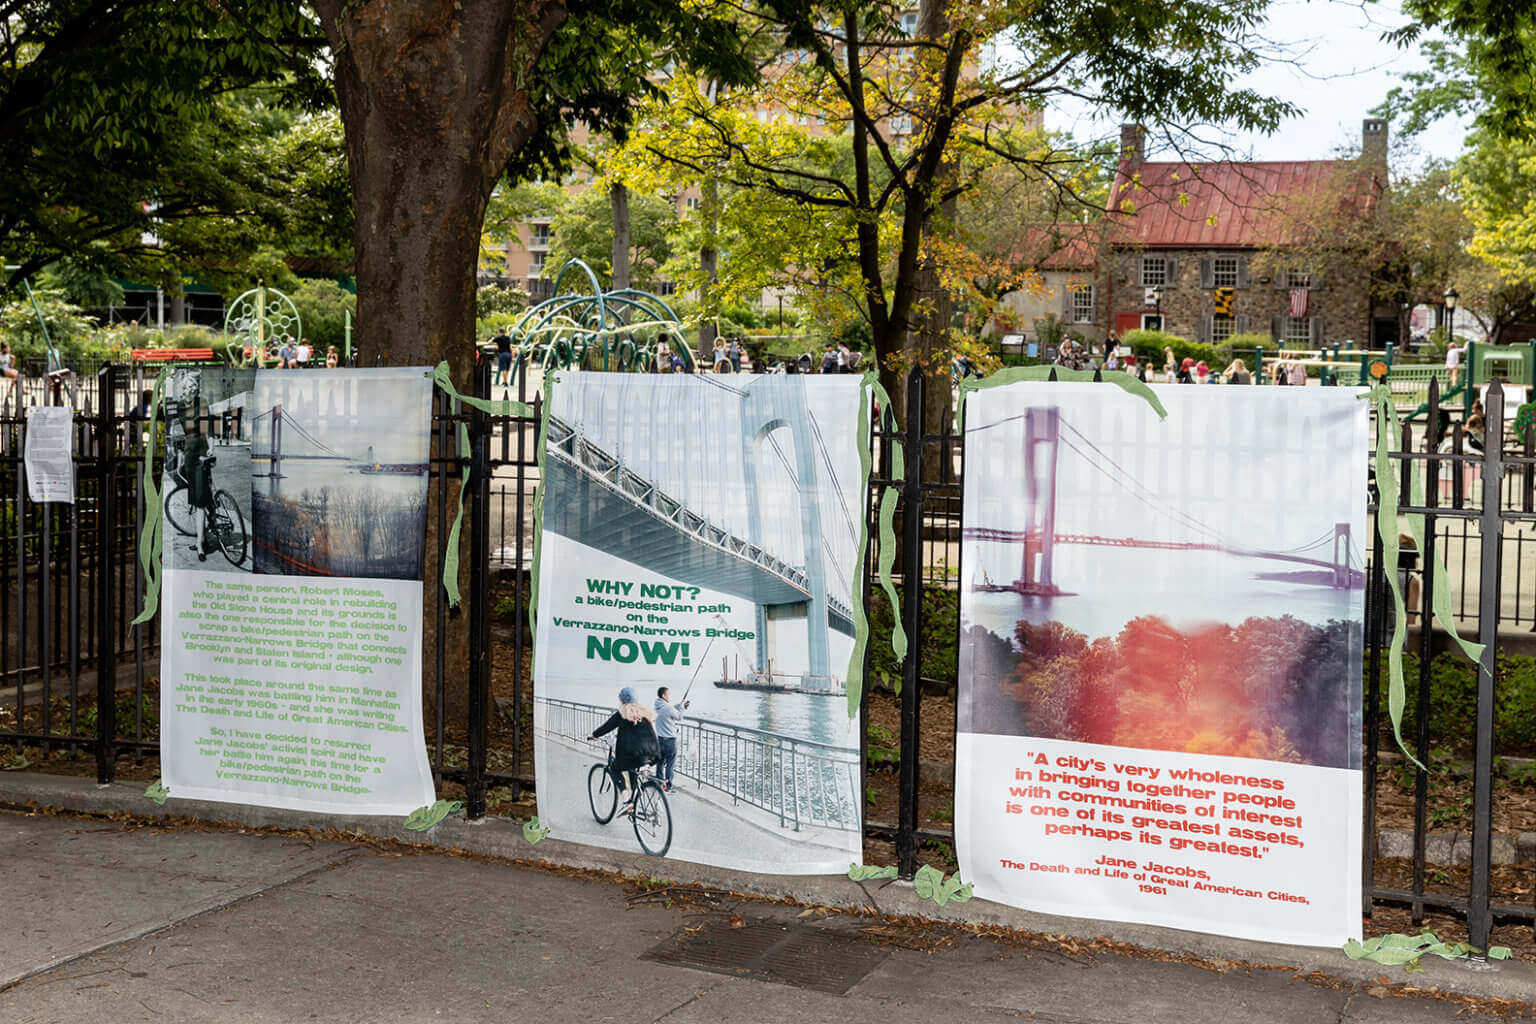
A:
(762, 687)
(394, 469)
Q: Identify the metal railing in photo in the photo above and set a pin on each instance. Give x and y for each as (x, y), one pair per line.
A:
(802, 783)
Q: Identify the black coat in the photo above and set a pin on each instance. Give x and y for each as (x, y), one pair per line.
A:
(636, 744)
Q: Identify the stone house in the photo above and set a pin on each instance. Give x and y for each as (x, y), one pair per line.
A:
(1200, 250)
(1064, 260)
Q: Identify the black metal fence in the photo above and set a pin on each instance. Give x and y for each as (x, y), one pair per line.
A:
(78, 681)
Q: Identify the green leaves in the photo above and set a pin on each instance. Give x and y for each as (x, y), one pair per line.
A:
(1408, 950)
(423, 818)
(157, 792)
(930, 884)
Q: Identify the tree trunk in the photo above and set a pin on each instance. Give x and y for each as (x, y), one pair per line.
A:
(431, 99)
(618, 198)
(709, 256)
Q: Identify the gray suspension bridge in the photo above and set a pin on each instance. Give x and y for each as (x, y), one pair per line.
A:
(288, 439)
(593, 498)
(1043, 440)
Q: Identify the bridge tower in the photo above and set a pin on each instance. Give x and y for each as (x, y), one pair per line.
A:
(764, 410)
(1042, 432)
(1341, 572)
(275, 459)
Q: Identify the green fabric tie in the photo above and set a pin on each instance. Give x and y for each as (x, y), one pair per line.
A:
(871, 872)
(538, 510)
(1409, 949)
(504, 407)
(533, 832)
(423, 818)
(1015, 374)
(150, 553)
(930, 884)
(886, 520)
(157, 792)
(1388, 429)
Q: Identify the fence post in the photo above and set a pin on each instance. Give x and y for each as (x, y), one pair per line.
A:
(1491, 528)
(478, 500)
(106, 565)
(912, 596)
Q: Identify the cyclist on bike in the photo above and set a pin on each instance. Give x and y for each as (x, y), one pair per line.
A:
(197, 469)
(636, 745)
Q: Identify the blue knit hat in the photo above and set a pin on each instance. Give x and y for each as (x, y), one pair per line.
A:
(626, 696)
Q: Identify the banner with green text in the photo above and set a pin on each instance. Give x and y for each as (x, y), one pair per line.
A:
(294, 517)
(700, 558)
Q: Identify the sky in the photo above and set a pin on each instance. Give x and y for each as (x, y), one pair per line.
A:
(1340, 69)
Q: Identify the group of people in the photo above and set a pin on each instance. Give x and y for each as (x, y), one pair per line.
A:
(646, 736)
(291, 354)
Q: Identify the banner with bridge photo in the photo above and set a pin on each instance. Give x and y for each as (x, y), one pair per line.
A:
(699, 559)
(1162, 619)
(294, 527)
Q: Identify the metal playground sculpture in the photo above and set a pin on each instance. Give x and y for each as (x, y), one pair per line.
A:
(621, 330)
(255, 321)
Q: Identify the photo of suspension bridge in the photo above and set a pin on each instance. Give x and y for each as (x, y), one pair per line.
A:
(703, 535)
(1193, 584)
(338, 472)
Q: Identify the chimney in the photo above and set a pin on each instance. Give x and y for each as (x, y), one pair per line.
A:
(1133, 146)
(1373, 140)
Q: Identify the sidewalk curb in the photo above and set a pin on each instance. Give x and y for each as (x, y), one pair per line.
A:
(503, 838)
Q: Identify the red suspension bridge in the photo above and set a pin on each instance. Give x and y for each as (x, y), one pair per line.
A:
(1044, 438)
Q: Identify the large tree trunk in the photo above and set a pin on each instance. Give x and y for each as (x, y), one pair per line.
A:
(433, 108)
(709, 257)
(618, 199)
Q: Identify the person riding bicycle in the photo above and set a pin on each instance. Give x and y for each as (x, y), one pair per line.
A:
(197, 470)
(636, 745)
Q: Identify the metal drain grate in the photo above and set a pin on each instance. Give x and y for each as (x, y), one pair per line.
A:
(790, 954)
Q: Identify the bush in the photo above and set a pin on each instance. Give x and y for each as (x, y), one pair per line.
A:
(1453, 701)
(1149, 345)
(1249, 340)
(323, 305)
(499, 299)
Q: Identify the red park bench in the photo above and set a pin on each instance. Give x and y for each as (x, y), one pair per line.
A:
(172, 355)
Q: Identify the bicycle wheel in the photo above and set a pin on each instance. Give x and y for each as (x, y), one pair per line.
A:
(178, 511)
(229, 528)
(602, 794)
(653, 819)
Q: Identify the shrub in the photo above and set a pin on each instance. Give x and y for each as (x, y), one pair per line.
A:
(323, 306)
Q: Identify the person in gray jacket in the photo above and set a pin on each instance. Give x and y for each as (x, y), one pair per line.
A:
(668, 715)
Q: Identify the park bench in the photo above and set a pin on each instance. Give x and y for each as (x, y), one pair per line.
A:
(172, 355)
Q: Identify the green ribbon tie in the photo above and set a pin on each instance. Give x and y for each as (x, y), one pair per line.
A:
(423, 818)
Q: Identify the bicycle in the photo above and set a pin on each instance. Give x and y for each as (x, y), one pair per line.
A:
(649, 811)
(225, 523)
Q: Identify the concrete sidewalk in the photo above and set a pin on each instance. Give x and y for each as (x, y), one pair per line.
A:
(125, 921)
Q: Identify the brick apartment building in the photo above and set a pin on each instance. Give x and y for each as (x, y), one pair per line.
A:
(1200, 250)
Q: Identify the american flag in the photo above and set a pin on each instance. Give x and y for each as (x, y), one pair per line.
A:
(1299, 298)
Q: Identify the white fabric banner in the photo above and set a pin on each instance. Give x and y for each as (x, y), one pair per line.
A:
(1160, 706)
(291, 606)
(700, 558)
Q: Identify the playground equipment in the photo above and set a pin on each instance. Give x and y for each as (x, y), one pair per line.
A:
(255, 319)
(59, 375)
(598, 330)
(1482, 363)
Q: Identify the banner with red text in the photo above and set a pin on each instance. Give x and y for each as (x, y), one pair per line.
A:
(1160, 707)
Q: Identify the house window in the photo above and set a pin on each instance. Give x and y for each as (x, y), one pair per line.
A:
(1221, 328)
(1083, 306)
(1297, 278)
(539, 236)
(909, 23)
(693, 202)
(901, 124)
(536, 263)
(1224, 272)
(1154, 271)
(1298, 329)
(666, 288)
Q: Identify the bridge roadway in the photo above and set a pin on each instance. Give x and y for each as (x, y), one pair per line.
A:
(593, 499)
(983, 533)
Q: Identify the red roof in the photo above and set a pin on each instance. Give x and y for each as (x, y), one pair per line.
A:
(1230, 205)
(1058, 246)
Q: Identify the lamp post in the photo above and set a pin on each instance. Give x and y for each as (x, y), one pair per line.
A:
(1157, 304)
(1450, 312)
